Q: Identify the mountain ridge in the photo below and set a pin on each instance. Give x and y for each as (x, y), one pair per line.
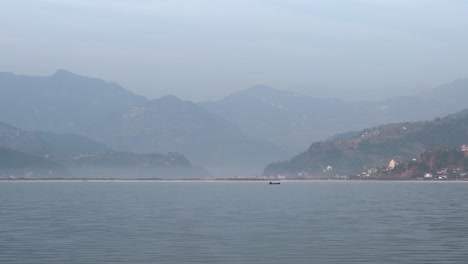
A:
(171, 124)
(292, 120)
(33, 154)
(61, 102)
(374, 147)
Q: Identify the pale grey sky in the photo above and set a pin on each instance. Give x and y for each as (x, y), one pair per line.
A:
(206, 49)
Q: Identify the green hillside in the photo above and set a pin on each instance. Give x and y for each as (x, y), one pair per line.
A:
(374, 147)
(440, 163)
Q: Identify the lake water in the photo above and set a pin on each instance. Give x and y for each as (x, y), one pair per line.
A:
(233, 222)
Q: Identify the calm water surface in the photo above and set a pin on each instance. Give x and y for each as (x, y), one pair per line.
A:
(233, 222)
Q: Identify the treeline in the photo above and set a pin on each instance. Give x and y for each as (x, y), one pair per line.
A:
(374, 147)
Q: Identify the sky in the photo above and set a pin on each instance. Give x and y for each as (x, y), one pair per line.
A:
(206, 49)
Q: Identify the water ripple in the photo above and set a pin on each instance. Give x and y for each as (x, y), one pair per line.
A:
(227, 222)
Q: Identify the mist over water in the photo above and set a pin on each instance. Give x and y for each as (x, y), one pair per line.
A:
(233, 222)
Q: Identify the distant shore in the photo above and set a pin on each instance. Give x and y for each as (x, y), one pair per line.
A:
(213, 180)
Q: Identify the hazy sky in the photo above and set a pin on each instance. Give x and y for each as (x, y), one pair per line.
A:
(206, 49)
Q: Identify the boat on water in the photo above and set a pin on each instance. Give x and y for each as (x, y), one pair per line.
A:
(274, 182)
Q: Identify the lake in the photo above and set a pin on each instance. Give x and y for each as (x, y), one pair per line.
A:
(234, 222)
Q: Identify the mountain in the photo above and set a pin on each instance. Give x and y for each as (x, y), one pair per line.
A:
(34, 153)
(16, 164)
(62, 102)
(68, 103)
(224, 133)
(292, 120)
(440, 163)
(283, 118)
(438, 102)
(450, 97)
(375, 147)
(169, 124)
(57, 147)
(130, 166)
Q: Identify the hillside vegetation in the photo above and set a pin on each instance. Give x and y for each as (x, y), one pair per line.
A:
(440, 163)
(374, 147)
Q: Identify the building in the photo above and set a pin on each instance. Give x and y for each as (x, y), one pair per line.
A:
(464, 148)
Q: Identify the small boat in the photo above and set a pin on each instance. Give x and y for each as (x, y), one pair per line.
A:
(274, 182)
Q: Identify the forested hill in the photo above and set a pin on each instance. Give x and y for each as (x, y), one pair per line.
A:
(14, 163)
(374, 147)
(440, 163)
(35, 154)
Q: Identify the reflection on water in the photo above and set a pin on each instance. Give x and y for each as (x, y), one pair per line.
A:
(233, 222)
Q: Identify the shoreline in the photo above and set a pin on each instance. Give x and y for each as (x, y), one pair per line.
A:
(85, 180)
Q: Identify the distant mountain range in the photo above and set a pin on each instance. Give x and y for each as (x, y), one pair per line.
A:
(374, 147)
(236, 135)
(66, 102)
(170, 124)
(287, 119)
(15, 164)
(28, 154)
(292, 121)
(57, 147)
(134, 166)
(62, 102)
